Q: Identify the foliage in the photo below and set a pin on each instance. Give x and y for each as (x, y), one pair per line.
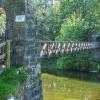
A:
(10, 82)
(80, 62)
(65, 62)
(72, 29)
(88, 9)
(74, 20)
(49, 64)
(48, 21)
(80, 20)
(2, 21)
(22, 76)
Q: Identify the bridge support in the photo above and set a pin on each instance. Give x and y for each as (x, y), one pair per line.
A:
(96, 52)
(22, 30)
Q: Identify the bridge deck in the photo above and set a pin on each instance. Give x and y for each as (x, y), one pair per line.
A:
(53, 48)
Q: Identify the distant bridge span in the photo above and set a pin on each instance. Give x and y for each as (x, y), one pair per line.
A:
(53, 48)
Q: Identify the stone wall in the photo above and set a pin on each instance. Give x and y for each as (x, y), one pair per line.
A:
(96, 52)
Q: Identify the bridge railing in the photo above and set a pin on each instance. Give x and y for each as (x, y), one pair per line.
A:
(52, 48)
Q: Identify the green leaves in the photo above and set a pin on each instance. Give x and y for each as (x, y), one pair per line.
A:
(2, 21)
(10, 81)
(73, 20)
(80, 62)
(65, 62)
(72, 29)
(80, 18)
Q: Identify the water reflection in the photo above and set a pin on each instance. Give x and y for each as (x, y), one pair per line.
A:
(64, 87)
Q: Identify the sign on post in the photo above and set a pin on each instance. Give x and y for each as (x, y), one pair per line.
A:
(20, 18)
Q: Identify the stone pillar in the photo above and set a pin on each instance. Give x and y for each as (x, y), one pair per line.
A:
(24, 47)
(96, 52)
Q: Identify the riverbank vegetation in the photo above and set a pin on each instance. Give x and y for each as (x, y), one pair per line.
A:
(72, 20)
(10, 81)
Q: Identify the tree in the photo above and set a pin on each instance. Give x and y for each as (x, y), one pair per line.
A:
(72, 29)
(80, 19)
(74, 20)
(2, 21)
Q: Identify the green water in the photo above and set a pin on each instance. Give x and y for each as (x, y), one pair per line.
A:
(66, 87)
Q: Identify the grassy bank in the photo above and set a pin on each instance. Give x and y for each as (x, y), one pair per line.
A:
(10, 81)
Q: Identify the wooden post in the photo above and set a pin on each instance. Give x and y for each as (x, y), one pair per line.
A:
(7, 62)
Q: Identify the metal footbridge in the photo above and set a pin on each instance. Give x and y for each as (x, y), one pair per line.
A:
(26, 50)
(55, 48)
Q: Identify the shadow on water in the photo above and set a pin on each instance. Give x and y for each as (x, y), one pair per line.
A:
(82, 76)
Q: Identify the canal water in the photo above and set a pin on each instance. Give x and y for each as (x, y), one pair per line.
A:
(71, 86)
